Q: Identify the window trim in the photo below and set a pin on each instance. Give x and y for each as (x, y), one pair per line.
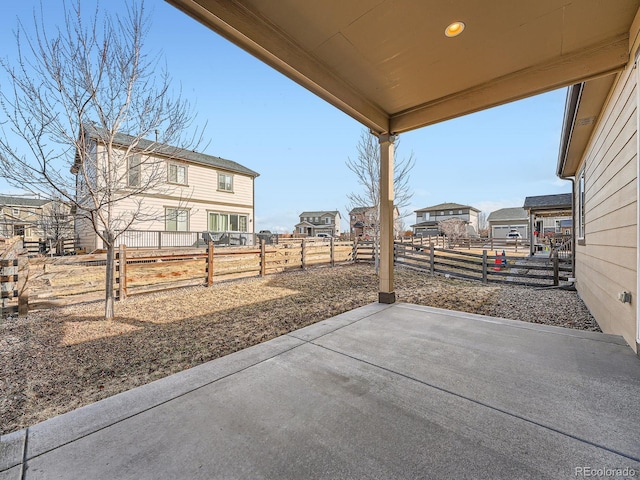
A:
(227, 175)
(580, 187)
(167, 219)
(178, 165)
(130, 170)
(228, 221)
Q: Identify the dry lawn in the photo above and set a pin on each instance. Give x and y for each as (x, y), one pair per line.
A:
(57, 360)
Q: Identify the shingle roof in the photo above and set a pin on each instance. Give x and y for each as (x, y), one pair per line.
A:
(174, 152)
(319, 214)
(548, 202)
(446, 206)
(513, 213)
(357, 210)
(10, 201)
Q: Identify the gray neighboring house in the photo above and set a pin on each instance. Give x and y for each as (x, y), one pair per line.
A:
(319, 222)
(427, 218)
(504, 220)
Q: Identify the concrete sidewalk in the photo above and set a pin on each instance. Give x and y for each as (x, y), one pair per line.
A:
(382, 392)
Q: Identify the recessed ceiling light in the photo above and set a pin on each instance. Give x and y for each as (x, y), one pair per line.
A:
(454, 29)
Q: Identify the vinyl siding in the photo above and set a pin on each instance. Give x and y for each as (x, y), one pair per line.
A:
(606, 264)
(200, 195)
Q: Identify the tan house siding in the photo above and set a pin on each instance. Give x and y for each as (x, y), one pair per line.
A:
(199, 193)
(606, 261)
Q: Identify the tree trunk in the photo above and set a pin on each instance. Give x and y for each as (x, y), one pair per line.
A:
(109, 292)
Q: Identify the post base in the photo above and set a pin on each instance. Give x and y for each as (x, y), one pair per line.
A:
(387, 297)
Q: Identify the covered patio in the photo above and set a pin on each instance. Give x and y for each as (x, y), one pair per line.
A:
(389, 390)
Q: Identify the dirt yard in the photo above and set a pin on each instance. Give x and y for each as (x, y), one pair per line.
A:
(56, 360)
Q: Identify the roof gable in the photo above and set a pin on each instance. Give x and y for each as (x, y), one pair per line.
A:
(447, 206)
(512, 213)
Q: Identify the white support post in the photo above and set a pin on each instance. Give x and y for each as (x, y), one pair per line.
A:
(386, 292)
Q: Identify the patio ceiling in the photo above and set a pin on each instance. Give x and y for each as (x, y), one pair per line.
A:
(389, 65)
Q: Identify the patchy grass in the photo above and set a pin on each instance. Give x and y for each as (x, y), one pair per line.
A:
(56, 360)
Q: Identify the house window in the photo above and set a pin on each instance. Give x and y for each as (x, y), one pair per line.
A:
(133, 174)
(227, 222)
(176, 220)
(459, 212)
(177, 174)
(581, 205)
(327, 221)
(15, 212)
(225, 182)
(450, 212)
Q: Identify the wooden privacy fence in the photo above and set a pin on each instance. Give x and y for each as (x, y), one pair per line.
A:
(139, 272)
(483, 267)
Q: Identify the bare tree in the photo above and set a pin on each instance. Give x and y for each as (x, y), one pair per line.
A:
(86, 83)
(366, 167)
(454, 229)
(56, 223)
(483, 224)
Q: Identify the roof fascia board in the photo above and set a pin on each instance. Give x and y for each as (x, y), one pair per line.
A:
(570, 112)
(603, 59)
(252, 33)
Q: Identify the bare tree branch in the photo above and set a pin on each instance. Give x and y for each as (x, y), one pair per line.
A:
(73, 92)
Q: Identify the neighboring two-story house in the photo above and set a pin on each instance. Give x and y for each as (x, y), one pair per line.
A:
(427, 218)
(317, 223)
(34, 218)
(363, 222)
(194, 192)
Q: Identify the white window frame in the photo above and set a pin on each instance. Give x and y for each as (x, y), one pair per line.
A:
(176, 179)
(227, 219)
(174, 218)
(134, 171)
(225, 182)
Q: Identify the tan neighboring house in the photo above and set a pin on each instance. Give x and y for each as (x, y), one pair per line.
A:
(198, 193)
(317, 223)
(363, 222)
(34, 218)
(549, 215)
(505, 220)
(599, 152)
(427, 218)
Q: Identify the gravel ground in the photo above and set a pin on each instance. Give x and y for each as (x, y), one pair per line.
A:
(56, 360)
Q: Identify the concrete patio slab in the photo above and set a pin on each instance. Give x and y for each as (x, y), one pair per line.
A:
(385, 391)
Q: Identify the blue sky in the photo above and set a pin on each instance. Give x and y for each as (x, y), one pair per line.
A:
(299, 144)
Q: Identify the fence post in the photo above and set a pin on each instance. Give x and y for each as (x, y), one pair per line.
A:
(332, 252)
(485, 279)
(160, 238)
(556, 269)
(303, 254)
(23, 292)
(354, 252)
(122, 272)
(492, 244)
(431, 257)
(210, 264)
(263, 258)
